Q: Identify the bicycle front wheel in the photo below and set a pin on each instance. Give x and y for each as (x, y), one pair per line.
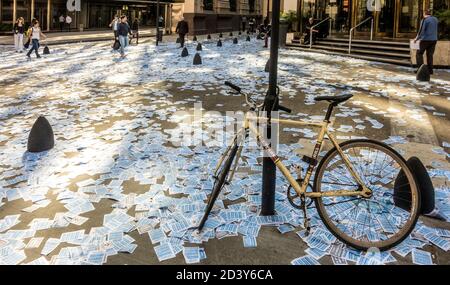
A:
(380, 221)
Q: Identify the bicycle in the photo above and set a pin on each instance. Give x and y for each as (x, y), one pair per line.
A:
(377, 210)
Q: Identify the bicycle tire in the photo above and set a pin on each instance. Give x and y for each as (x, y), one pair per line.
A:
(218, 185)
(332, 227)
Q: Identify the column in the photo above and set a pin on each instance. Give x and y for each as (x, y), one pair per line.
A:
(14, 11)
(49, 22)
(32, 10)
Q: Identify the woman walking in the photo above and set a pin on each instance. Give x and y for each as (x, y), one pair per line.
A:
(35, 36)
(19, 29)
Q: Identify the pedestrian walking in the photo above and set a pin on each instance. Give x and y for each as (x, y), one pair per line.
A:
(114, 24)
(251, 24)
(135, 30)
(68, 22)
(123, 30)
(428, 36)
(19, 30)
(62, 20)
(182, 30)
(244, 22)
(35, 36)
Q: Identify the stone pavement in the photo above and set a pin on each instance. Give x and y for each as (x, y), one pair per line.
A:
(114, 169)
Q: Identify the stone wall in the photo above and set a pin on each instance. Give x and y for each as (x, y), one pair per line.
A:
(441, 56)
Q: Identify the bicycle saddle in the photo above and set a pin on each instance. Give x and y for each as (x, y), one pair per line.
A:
(334, 99)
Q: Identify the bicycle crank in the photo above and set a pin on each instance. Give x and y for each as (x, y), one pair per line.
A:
(294, 198)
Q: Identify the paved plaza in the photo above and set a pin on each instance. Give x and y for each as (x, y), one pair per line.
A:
(119, 188)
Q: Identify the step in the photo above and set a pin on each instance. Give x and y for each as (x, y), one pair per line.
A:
(392, 48)
(402, 62)
(366, 51)
(377, 42)
(363, 51)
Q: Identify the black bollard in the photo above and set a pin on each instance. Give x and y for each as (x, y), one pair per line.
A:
(46, 50)
(199, 47)
(208, 37)
(185, 52)
(248, 38)
(220, 35)
(235, 41)
(267, 68)
(41, 136)
(231, 34)
(197, 59)
(219, 43)
(423, 74)
(194, 38)
(402, 192)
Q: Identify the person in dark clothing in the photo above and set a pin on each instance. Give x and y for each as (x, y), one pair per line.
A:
(264, 31)
(182, 29)
(251, 24)
(123, 30)
(135, 29)
(309, 30)
(428, 36)
(244, 22)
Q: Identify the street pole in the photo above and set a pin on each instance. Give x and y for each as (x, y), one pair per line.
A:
(269, 169)
(157, 22)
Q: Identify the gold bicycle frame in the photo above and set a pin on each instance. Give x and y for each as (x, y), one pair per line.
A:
(300, 189)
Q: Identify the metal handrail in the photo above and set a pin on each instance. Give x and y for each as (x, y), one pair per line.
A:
(352, 29)
(311, 32)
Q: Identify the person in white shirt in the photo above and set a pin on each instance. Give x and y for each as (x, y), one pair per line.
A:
(35, 36)
(19, 30)
(68, 22)
(62, 20)
(114, 24)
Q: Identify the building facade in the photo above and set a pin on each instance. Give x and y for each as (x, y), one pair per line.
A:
(392, 18)
(213, 16)
(91, 14)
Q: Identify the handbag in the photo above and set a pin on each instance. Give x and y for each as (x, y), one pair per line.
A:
(116, 45)
(27, 44)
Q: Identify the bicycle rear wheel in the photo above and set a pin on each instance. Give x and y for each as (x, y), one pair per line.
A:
(220, 180)
(382, 220)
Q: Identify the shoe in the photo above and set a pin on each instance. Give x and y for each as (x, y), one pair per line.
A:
(38, 56)
(28, 56)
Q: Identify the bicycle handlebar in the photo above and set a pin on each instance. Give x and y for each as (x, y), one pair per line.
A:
(252, 102)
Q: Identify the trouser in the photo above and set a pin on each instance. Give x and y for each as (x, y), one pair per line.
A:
(115, 34)
(182, 39)
(308, 37)
(61, 26)
(35, 47)
(243, 26)
(266, 40)
(123, 40)
(429, 47)
(252, 30)
(68, 27)
(18, 41)
(135, 35)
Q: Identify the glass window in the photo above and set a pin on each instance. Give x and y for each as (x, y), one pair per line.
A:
(208, 5)
(7, 11)
(441, 9)
(409, 16)
(233, 5)
(251, 6)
